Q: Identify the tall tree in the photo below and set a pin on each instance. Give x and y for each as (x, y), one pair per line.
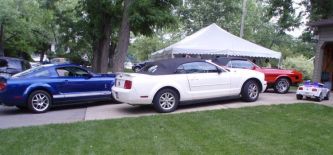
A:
(24, 25)
(102, 18)
(141, 17)
(123, 42)
(196, 14)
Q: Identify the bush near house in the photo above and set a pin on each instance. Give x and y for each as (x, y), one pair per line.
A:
(300, 63)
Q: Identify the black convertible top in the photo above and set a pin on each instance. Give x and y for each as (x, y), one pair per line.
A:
(223, 61)
(166, 66)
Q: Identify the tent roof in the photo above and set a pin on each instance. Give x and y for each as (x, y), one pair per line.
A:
(216, 41)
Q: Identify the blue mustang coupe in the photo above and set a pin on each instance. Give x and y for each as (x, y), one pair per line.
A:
(42, 87)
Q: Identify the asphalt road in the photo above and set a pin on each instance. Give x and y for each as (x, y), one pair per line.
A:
(12, 117)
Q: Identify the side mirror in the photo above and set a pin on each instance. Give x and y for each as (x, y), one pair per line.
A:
(219, 70)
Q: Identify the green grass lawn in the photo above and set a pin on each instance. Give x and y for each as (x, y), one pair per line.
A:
(279, 129)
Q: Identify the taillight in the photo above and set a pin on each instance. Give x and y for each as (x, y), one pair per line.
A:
(2, 86)
(314, 89)
(300, 88)
(128, 84)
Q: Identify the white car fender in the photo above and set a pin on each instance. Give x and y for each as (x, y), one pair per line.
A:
(162, 85)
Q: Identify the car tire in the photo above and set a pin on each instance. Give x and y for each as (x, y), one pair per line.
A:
(136, 69)
(327, 97)
(299, 97)
(282, 86)
(250, 91)
(166, 100)
(39, 101)
(319, 98)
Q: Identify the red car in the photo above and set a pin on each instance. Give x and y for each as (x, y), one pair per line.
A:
(278, 79)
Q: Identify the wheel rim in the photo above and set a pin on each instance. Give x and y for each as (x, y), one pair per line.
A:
(253, 91)
(167, 101)
(40, 102)
(282, 85)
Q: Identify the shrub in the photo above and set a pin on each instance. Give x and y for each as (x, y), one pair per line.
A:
(300, 63)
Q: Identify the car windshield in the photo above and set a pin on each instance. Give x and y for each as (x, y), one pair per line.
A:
(149, 69)
(29, 71)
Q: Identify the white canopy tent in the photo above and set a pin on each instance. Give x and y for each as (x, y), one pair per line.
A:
(213, 40)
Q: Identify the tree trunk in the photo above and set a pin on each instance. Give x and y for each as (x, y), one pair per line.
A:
(43, 52)
(96, 57)
(102, 45)
(244, 10)
(123, 42)
(112, 51)
(2, 39)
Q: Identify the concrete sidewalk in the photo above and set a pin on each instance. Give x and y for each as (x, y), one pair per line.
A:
(125, 110)
(13, 117)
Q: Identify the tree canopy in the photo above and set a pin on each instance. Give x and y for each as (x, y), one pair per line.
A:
(105, 30)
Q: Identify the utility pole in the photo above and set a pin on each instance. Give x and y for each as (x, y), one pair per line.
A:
(244, 11)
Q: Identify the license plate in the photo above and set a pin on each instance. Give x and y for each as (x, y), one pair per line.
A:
(117, 96)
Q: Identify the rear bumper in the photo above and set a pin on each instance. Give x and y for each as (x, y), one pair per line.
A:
(9, 100)
(308, 93)
(130, 96)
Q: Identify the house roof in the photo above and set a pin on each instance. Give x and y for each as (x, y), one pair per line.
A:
(323, 22)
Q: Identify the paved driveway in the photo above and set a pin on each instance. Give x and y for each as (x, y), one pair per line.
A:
(13, 117)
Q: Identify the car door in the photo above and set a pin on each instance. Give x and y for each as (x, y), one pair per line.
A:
(205, 80)
(79, 84)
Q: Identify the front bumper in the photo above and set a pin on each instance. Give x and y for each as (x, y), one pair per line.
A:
(264, 86)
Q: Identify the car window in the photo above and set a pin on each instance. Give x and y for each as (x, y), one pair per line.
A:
(180, 70)
(199, 67)
(3, 63)
(71, 72)
(44, 73)
(149, 69)
(29, 71)
(15, 64)
(26, 65)
(240, 64)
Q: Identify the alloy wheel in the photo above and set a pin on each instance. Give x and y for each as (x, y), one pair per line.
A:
(167, 100)
(253, 91)
(40, 102)
(282, 85)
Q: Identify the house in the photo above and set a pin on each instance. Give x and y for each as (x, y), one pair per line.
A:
(323, 63)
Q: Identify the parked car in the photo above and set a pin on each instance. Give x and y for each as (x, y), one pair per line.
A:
(10, 66)
(313, 90)
(34, 64)
(167, 83)
(278, 79)
(137, 66)
(49, 85)
(59, 60)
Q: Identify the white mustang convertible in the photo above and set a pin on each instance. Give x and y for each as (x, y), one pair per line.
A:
(167, 83)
